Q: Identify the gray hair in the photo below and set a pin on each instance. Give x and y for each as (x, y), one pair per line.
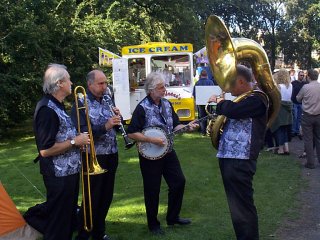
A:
(245, 72)
(153, 79)
(91, 76)
(53, 74)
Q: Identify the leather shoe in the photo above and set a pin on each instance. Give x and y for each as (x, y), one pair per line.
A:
(104, 237)
(309, 166)
(157, 231)
(179, 221)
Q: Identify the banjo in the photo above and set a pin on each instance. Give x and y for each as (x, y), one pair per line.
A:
(154, 152)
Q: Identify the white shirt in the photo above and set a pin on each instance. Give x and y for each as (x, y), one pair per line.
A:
(285, 92)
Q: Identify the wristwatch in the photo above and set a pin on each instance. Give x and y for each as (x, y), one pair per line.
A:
(73, 142)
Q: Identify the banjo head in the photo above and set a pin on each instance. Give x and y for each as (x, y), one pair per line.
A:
(152, 151)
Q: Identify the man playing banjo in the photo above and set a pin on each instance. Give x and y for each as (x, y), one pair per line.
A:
(156, 111)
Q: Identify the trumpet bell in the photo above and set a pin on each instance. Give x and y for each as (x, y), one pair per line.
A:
(221, 52)
(224, 53)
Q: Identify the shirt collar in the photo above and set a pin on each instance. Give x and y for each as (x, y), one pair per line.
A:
(91, 97)
(53, 99)
(314, 82)
(151, 100)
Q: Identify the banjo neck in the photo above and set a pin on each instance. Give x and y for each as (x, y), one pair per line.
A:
(187, 126)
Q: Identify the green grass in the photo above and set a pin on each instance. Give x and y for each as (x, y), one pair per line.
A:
(276, 183)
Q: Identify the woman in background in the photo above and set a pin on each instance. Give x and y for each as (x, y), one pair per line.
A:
(282, 124)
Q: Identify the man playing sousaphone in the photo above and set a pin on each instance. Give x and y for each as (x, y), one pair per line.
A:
(239, 146)
(156, 111)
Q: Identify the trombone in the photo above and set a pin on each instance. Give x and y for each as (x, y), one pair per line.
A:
(90, 166)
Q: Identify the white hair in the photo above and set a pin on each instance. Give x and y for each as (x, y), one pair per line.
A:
(153, 79)
(53, 74)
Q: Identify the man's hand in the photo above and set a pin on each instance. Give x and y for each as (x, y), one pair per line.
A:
(193, 126)
(115, 120)
(158, 141)
(116, 111)
(82, 139)
(215, 99)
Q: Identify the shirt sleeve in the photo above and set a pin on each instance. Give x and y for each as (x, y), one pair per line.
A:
(137, 121)
(250, 107)
(47, 127)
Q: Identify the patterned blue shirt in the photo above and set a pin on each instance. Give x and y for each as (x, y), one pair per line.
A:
(99, 113)
(55, 128)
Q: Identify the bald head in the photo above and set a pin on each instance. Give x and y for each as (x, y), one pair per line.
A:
(97, 83)
(94, 74)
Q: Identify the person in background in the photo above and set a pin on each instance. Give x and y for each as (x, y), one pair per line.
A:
(310, 121)
(239, 146)
(281, 127)
(297, 107)
(292, 75)
(203, 81)
(103, 123)
(59, 156)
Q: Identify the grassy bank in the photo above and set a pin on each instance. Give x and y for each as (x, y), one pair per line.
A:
(276, 183)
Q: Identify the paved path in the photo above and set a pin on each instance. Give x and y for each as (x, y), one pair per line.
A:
(307, 225)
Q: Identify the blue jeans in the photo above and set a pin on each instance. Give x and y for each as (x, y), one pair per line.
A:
(296, 112)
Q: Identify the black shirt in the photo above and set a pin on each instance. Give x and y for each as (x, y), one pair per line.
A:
(250, 107)
(47, 125)
(138, 118)
(296, 87)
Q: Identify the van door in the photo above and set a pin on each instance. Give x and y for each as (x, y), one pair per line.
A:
(120, 78)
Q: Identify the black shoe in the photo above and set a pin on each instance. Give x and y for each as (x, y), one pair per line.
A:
(309, 166)
(104, 237)
(303, 155)
(179, 221)
(157, 231)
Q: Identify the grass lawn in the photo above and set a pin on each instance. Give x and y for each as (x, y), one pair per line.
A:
(276, 183)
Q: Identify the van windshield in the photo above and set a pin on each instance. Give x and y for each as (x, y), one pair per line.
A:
(176, 69)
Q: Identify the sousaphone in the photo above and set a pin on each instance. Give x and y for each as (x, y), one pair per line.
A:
(224, 53)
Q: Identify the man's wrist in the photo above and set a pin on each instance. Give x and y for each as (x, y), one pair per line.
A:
(73, 142)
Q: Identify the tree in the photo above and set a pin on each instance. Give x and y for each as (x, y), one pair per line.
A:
(305, 32)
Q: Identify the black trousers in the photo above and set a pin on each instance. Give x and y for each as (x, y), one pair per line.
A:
(237, 176)
(102, 187)
(56, 217)
(152, 172)
(202, 113)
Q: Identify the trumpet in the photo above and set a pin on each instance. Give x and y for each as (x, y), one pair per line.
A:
(90, 166)
(128, 143)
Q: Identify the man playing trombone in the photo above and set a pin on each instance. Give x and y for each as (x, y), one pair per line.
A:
(103, 119)
(59, 157)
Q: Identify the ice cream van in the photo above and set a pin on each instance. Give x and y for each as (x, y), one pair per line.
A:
(174, 60)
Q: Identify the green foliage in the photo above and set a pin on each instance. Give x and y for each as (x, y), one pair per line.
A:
(276, 183)
(34, 33)
(304, 33)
